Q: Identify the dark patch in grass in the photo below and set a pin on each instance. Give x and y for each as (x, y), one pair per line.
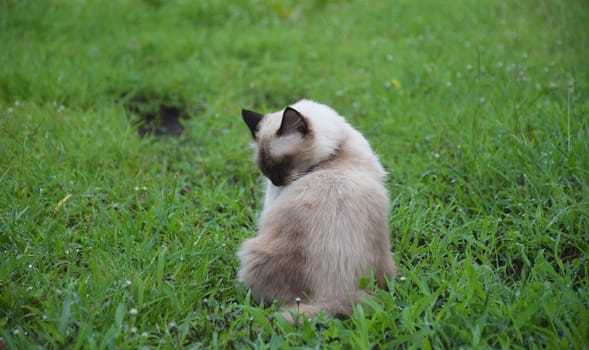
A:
(514, 268)
(157, 115)
(570, 253)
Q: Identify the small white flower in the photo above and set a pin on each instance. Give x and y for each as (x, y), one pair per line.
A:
(402, 278)
(126, 284)
(133, 311)
(133, 330)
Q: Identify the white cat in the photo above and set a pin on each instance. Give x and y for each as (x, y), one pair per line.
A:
(324, 224)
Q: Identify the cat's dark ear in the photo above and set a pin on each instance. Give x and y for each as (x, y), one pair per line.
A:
(252, 119)
(292, 121)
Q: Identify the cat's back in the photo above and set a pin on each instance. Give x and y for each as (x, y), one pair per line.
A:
(346, 188)
(326, 198)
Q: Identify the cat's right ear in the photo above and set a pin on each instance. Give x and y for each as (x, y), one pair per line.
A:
(252, 119)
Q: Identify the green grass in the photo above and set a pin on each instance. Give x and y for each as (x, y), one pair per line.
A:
(478, 109)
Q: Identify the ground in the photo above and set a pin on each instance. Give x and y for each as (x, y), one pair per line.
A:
(127, 183)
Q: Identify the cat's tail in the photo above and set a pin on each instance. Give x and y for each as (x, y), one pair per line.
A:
(335, 306)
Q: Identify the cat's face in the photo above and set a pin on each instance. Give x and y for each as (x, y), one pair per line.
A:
(282, 141)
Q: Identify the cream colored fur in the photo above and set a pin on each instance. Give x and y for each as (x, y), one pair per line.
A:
(327, 226)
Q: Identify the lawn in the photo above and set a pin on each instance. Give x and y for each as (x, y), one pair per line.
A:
(479, 110)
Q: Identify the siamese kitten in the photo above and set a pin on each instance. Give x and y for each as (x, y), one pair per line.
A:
(324, 223)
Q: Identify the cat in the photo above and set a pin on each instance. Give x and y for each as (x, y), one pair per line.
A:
(324, 221)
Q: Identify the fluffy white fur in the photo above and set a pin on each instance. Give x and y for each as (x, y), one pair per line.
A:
(327, 225)
(283, 146)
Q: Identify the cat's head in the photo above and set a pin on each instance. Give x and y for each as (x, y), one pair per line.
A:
(290, 142)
